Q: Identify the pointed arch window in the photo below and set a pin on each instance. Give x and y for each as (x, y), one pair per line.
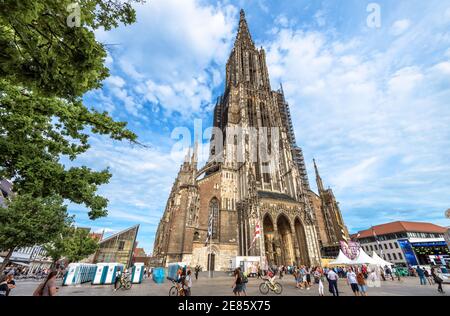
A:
(214, 213)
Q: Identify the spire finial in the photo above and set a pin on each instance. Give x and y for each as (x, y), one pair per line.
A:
(243, 32)
(188, 154)
(195, 152)
(318, 178)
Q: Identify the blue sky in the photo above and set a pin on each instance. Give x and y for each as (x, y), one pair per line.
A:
(371, 105)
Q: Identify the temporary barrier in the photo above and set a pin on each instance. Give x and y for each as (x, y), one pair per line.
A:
(78, 273)
(137, 273)
(100, 274)
(106, 272)
(159, 275)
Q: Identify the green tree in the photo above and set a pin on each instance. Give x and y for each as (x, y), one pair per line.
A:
(73, 244)
(55, 249)
(27, 220)
(46, 66)
(79, 245)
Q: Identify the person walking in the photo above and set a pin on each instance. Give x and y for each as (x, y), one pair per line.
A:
(305, 278)
(362, 286)
(421, 274)
(3, 286)
(438, 280)
(318, 274)
(10, 282)
(244, 278)
(196, 271)
(308, 277)
(428, 276)
(259, 273)
(188, 283)
(333, 279)
(48, 287)
(388, 273)
(351, 280)
(237, 285)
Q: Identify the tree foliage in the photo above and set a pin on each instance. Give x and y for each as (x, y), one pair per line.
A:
(74, 244)
(28, 220)
(45, 68)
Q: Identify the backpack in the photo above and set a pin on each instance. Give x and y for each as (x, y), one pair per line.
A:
(244, 278)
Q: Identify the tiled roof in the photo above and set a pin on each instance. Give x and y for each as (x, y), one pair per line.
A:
(401, 226)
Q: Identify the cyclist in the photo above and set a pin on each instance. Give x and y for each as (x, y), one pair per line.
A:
(180, 278)
(118, 279)
(271, 276)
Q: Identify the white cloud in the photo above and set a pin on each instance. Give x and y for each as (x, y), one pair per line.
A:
(404, 81)
(356, 175)
(361, 111)
(443, 67)
(115, 81)
(167, 55)
(105, 230)
(282, 20)
(400, 26)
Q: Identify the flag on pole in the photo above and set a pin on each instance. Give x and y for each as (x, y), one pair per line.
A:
(210, 228)
(378, 242)
(256, 235)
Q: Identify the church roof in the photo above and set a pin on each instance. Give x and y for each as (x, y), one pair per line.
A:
(275, 196)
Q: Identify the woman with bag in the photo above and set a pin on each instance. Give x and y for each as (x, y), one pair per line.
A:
(48, 287)
(438, 280)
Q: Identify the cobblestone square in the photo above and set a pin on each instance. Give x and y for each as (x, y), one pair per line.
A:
(221, 284)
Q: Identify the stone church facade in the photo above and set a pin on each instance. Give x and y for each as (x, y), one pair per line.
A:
(255, 180)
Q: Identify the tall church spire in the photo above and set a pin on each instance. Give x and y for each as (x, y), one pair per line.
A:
(243, 36)
(318, 178)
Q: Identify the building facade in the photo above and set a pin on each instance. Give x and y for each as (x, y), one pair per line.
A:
(407, 243)
(252, 198)
(32, 259)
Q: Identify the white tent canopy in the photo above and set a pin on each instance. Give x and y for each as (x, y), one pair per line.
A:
(380, 261)
(363, 258)
(341, 259)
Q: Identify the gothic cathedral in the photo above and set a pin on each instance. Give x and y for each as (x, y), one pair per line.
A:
(252, 198)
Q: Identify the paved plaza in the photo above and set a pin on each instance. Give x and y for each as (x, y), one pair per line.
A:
(220, 285)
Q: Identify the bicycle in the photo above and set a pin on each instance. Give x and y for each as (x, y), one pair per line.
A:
(267, 286)
(176, 289)
(124, 283)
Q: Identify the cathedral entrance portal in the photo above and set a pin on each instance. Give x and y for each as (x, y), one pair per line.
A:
(303, 258)
(285, 241)
(269, 245)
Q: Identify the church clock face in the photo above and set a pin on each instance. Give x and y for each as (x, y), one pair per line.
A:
(447, 213)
